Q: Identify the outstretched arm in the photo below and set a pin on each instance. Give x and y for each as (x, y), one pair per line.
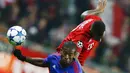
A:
(38, 62)
(99, 9)
(34, 61)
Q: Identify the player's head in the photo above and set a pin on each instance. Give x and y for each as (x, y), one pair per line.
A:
(97, 29)
(68, 53)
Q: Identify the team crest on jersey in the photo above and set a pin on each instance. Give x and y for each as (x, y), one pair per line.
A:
(79, 44)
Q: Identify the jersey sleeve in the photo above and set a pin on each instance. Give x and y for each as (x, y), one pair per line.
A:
(48, 59)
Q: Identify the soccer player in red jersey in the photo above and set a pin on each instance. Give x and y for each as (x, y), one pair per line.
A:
(88, 34)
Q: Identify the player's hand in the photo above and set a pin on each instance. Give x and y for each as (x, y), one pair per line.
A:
(18, 54)
(101, 5)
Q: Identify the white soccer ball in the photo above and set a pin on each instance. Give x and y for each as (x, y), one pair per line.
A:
(16, 35)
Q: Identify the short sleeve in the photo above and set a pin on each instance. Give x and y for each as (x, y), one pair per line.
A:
(48, 59)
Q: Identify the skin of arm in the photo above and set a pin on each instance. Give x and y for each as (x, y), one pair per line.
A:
(36, 61)
(90, 12)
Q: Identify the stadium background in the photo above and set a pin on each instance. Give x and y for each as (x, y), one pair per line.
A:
(47, 22)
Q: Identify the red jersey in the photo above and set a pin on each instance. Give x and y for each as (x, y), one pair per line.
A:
(82, 38)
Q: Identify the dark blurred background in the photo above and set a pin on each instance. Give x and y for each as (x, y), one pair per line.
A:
(48, 22)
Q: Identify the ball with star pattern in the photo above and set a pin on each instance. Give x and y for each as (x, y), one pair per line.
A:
(16, 35)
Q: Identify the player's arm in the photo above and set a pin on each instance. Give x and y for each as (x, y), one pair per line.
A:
(34, 61)
(99, 9)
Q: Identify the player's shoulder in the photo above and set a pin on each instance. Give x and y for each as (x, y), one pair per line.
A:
(77, 66)
(75, 63)
(54, 56)
(95, 17)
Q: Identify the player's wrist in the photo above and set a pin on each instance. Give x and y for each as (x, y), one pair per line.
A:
(24, 58)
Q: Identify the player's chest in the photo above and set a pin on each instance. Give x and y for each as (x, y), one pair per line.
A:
(56, 68)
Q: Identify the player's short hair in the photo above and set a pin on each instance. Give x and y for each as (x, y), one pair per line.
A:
(69, 45)
(98, 28)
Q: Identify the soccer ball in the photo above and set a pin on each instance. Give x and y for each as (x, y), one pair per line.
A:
(16, 35)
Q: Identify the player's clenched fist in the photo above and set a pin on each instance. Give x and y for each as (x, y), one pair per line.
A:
(18, 54)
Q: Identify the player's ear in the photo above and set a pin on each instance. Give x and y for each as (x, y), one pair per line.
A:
(76, 54)
(61, 51)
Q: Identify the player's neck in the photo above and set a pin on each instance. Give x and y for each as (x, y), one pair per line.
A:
(63, 65)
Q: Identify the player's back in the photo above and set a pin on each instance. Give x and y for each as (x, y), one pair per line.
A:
(82, 31)
(55, 66)
(81, 34)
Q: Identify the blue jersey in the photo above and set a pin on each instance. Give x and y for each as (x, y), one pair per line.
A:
(55, 67)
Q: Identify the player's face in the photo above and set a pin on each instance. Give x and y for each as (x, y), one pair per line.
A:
(67, 56)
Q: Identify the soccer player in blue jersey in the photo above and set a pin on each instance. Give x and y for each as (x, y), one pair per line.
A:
(63, 62)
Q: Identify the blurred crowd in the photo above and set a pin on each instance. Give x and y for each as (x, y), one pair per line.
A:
(47, 22)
